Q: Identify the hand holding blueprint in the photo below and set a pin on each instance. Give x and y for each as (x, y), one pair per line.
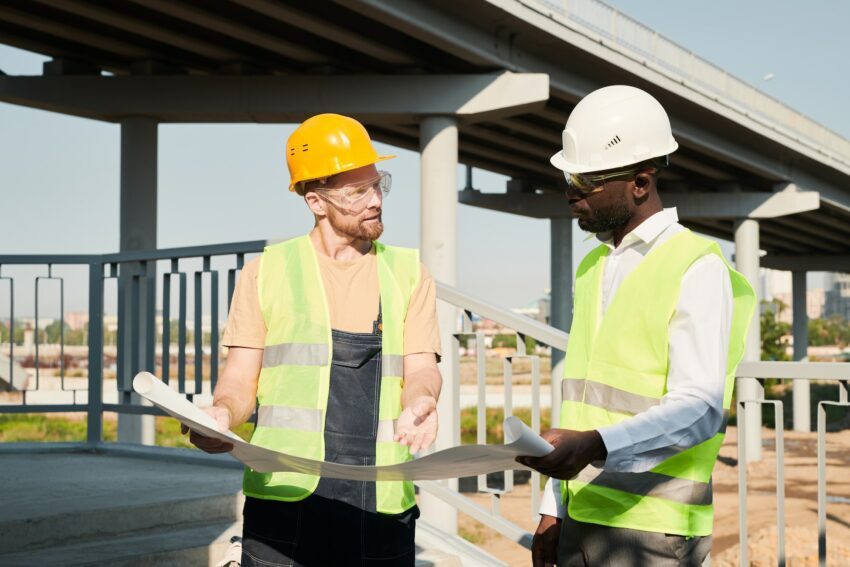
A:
(466, 460)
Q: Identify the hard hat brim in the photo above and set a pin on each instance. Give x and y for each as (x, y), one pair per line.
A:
(377, 159)
(559, 161)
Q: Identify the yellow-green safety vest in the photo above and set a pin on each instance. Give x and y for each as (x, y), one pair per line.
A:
(616, 367)
(295, 378)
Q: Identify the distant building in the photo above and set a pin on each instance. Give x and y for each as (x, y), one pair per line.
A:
(837, 300)
(815, 299)
(77, 320)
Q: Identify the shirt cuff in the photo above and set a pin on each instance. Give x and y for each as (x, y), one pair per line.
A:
(619, 446)
(551, 502)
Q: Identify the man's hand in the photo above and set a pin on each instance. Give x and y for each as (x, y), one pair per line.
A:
(574, 450)
(544, 546)
(417, 424)
(208, 444)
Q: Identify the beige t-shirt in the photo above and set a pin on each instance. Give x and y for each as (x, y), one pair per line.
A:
(353, 296)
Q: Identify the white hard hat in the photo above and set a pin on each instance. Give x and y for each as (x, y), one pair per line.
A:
(614, 127)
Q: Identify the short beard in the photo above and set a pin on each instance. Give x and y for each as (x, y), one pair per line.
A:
(353, 228)
(607, 219)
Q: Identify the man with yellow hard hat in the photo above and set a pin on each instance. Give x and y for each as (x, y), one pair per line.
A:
(333, 339)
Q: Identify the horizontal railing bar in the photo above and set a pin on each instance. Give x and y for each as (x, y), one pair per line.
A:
(795, 370)
(26, 259)
(43, 408)
(246, 247)
(470, 508)
(520, 323)
(133, 409)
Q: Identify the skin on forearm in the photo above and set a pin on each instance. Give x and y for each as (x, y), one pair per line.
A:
(236, 389)
(421, 377)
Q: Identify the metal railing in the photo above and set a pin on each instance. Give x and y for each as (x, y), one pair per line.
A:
(139, 337)
(608, 25)
(140, 281)
(838, 372)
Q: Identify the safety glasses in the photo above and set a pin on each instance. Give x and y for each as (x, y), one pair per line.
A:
(585, 184)
(355, 198)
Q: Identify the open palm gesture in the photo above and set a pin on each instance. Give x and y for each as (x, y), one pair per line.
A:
(417, 424)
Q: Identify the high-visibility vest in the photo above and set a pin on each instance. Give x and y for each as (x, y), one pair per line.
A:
(295, 377)
(616, 367)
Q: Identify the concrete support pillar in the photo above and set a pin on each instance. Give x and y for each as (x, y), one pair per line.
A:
(137, 284)
(800, 321)
(747, 262)
(438, 142)
(561, 304)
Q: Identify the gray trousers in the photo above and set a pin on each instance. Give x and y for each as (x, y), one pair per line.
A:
(583, 545)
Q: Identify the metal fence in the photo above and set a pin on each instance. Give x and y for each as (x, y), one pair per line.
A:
(834, 372)
(144, 283)
(143, 289)
(610, 26)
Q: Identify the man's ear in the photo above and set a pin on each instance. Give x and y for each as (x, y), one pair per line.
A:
(316, 203)
(643, 184)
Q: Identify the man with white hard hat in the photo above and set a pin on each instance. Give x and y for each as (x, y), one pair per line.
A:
(659, 325)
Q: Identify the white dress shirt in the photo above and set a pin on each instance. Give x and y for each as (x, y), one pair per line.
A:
(692, 409)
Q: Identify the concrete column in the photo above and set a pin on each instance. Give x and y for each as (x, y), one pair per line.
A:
(747, 262)
(438, 142)
(561, 305)
(800, 321)
(138, 232)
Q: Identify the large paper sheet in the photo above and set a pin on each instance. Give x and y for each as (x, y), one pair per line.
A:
(466, 460)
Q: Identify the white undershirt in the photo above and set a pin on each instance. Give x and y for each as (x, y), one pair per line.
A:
(692, 409)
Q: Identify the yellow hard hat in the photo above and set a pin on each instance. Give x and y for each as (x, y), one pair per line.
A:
(327, 144)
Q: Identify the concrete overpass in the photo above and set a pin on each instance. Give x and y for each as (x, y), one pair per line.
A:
(488, 83)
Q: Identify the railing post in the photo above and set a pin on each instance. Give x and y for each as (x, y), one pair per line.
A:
(94, 429)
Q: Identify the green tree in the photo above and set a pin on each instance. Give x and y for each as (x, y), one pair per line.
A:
(829, 332)
(53, 332)
(504, 341)
(774, 333)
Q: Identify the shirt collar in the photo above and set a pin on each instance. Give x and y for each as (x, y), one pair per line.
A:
(647, 231)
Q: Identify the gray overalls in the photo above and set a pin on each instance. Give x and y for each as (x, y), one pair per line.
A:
(337, 524)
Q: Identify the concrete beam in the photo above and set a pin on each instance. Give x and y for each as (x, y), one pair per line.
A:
(807, 262)
(752, 205)
(548, 205)
(478, 45)
(690, 205)
(371, 98)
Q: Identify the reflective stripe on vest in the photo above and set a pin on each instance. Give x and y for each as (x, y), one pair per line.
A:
(295, 376)
(616, 367)
(606, 397)
(682, 490)
(311, 420)
(295, 354)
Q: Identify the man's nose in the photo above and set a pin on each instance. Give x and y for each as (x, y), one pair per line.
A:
(377, 198)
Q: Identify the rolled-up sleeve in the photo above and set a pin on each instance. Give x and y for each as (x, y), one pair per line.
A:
(245, 326)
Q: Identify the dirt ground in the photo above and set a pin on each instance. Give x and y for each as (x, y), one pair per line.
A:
(801, 536)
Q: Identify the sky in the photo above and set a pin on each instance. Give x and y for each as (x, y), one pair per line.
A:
(59, 175)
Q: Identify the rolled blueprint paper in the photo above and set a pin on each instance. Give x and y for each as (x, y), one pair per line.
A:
(462, 461)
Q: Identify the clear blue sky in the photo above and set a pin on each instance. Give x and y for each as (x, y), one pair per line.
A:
(222, 183)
